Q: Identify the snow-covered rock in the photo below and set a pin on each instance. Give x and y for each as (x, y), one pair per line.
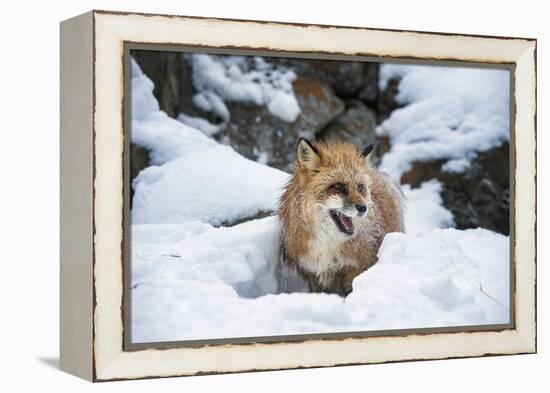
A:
(449, 114)
(453, 127)
(194, 177)
(230, 78)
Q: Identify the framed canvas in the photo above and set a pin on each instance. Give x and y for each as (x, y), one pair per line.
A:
(245, 195)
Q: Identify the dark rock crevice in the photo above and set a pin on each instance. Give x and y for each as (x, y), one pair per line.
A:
(172, 77)
(478, 197)
(139, 160)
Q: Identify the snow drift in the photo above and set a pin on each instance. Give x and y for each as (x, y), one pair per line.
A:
(201, 282)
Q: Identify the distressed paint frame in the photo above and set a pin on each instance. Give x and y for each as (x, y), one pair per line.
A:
(93, 67)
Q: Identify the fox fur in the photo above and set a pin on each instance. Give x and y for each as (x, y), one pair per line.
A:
(334, 214)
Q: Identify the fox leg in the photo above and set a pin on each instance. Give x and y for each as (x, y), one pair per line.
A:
(344, 280)
(321, 282)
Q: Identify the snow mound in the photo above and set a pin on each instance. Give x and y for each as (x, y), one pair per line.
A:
(219, 282)
(216, 186)
(242, 79)
(451, 114)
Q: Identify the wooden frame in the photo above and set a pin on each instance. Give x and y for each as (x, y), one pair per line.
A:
(92, 194)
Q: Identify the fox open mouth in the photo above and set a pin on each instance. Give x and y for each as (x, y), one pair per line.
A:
(342, 221)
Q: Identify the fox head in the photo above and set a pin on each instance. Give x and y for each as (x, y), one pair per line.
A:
(333, 178)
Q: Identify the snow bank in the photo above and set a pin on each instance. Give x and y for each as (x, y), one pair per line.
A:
(242, 79)
(194, 178)
(451, 113)
(216, 186)
(219, 282)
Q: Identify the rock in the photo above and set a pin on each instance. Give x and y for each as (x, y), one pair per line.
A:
(386, 102)
(258, 135)
(478, 197)
(369, 90)
(383, 145)
(481, 196)
(497, 163)
(345, 77)
(356, 125)
(318, 104)
(423, 171)
(171, 75)
(139, 160)
(348, 79)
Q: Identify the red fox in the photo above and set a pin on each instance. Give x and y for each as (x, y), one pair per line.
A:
(334, 214)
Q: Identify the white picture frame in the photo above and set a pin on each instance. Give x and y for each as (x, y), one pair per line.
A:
(93, 49)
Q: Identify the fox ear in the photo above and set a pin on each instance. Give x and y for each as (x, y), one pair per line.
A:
(308, 157)
(367, 150)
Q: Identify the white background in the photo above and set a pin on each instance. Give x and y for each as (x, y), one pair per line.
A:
(29, 194)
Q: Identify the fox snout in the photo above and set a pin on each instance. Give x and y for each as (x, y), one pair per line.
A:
(360, 207)
(343, 217)
(356, 201)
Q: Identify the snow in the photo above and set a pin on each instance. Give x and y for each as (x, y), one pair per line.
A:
(457, 165)
(214, 185)
(231, 78)
(200, 124)
(424, 209)
(194, 279)
(164, 137)
(450, 113)
(143, 100)
(219, 282)
(209, 101)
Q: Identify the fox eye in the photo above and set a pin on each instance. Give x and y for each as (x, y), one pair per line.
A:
(361, 188)
(339, 187)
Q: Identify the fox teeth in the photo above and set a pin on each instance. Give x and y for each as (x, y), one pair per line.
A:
(343, 222)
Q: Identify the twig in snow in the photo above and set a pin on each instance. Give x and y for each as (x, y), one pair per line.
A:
(140, 257)
(480, 287)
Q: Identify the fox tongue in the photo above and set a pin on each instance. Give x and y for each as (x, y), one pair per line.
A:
(346, 221)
